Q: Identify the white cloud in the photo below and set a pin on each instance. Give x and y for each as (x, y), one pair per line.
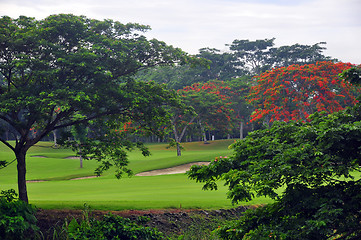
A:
(193, 24)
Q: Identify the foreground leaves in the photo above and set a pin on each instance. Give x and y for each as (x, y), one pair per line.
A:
(307, 168)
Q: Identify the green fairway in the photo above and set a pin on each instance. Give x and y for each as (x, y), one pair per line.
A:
(107, 192)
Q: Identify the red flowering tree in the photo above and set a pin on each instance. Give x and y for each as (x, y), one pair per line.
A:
(296, 91)
(212, 107)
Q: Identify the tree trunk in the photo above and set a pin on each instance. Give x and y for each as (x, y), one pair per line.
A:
(81, 161)
(80, 157)
(21, 167)
(179, 153)
(55, 139)
(241, 131)
(178, 138)
(204, 137)
(203, 132)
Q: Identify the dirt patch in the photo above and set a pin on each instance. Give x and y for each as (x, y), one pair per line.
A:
(173, 170)
(171, 222)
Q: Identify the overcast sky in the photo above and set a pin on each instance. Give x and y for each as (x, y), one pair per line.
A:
(194, 24)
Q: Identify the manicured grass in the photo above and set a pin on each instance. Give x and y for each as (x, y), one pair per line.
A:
(109, 193)
(168, 191)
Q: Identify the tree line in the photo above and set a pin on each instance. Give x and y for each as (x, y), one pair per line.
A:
(250, 84)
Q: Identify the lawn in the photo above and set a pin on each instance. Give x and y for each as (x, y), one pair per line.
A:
(107, 192)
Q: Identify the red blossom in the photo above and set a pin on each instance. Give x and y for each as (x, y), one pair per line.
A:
(292, 92)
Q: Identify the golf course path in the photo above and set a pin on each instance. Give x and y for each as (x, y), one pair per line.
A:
(173, 170)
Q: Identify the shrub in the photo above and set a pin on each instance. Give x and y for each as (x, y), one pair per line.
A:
(16, 217)
(111, 227)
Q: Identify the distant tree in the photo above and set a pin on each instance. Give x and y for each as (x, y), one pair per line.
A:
(79, 133)
(215, 65)
(260, 55)
(174, 77)
(181, 121)
(242, 109)
(212, 103)
(296, 91)
(67, 70)
(223, 66)
(254, 55)
(297, 54)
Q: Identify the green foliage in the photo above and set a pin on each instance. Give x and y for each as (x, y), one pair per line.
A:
(213, 65)
(111, 227)
(353, 75)
(314, 161)
(202, 228)
(303, 213)
(17, 218)
(260, 55)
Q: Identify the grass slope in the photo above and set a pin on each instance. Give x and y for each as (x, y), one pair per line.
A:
(108, 193)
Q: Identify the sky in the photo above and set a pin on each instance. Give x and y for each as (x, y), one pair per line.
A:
(195, 24)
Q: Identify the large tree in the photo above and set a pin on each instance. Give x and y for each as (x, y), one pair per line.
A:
(254, 55)
(67, 70)
(311, 170)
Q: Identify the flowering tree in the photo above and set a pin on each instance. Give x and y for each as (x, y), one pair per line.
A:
(296, 91)
(209, 106)
(213, 104)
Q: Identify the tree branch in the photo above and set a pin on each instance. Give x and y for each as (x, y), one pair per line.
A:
(7, 144)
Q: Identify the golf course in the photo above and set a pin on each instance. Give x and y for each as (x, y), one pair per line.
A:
(56, 181)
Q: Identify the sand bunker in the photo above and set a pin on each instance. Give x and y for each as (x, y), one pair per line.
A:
(79, 178)
(173, 170)
(72, 157)
(31, 181)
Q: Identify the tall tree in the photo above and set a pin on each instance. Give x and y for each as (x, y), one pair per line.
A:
(66, 70)
(254, 55)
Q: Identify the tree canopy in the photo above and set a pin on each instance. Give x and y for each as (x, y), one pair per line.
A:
(296, 91)
(66, 70)
(261, 55)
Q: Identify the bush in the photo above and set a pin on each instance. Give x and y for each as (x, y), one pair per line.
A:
(111, 227)
(17, 218)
